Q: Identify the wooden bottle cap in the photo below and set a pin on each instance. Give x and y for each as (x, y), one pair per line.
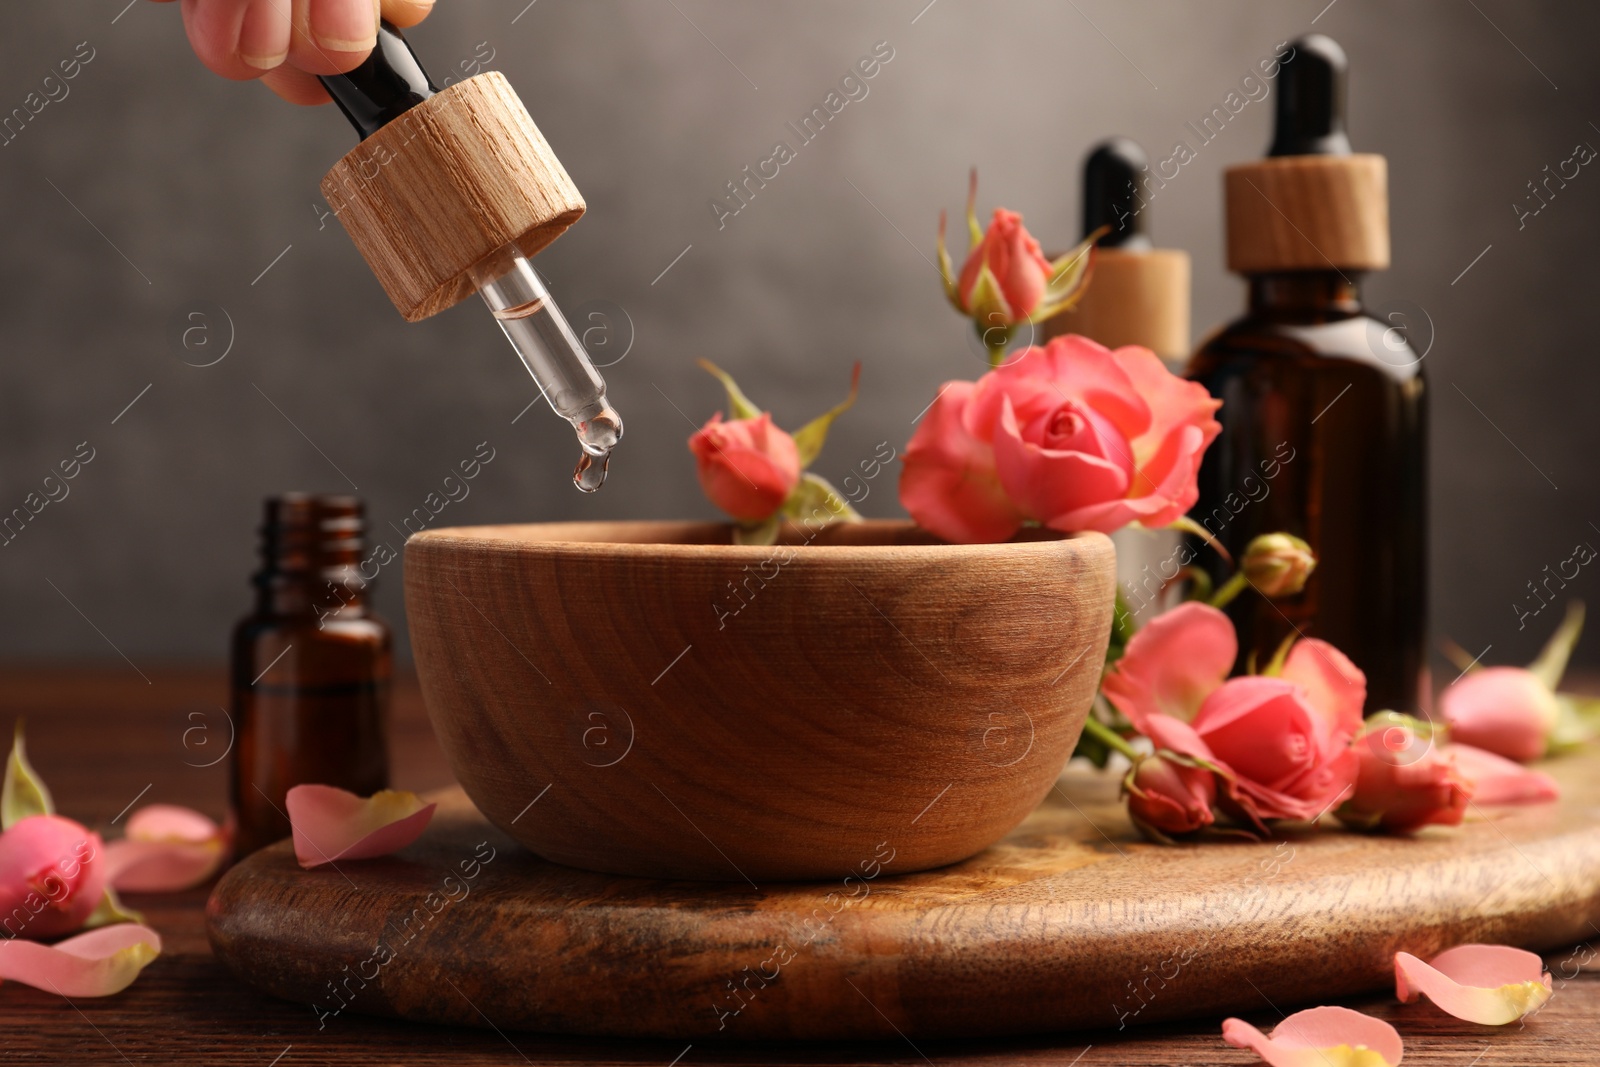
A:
(1312, 212)
(1134, 298)
(446, 185)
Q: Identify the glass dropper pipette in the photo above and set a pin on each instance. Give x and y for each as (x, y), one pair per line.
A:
(390, 82)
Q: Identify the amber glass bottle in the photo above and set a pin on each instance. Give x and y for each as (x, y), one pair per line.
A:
(311, 668)
(1324, 439)
(1324, 409)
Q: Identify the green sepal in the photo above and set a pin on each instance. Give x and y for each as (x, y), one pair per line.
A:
(815, 493)
(947, 271)
(1069, 278)
(739, 405)
(974, 231)
(988, 304)
(1280, 657)
(109, 911)
(1552, 661)
(1184, 524)
(765, 533)
(1575, 725)
(808, 440)
(1200, 583)
(23, 794)
(1464, 661)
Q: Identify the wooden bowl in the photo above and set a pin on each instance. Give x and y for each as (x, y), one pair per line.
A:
(647, 698)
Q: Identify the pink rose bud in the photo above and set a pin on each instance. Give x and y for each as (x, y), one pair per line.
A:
(1170, 797)
(1020, 272)
(1405, 779)
(1506, 710)
(1278, 564)
(747, 467)
(52, 875)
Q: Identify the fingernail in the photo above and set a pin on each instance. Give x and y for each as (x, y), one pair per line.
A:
(264, 62)
(344, 27)
(264, 35)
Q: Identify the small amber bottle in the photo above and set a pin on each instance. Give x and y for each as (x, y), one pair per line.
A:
(1324, 409)
(311, 668)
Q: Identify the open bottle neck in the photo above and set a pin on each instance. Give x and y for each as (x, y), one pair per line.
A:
(311, 556)
(1300, 293)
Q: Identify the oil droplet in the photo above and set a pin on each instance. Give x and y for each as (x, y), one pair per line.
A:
(591, 472)
(600, 433)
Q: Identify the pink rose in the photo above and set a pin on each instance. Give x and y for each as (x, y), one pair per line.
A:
(1170, 797)
(51, 876)
(1505, 710)
(1405, 780)
(1072, 435)
(1018, 267)
(748, 467)
(1282, 744)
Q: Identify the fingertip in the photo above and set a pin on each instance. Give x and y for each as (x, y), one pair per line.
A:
(296, 86)
(406, 13)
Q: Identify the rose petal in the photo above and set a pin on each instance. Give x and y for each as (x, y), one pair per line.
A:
(948, 482)
(1497, 780)
(330, 824)
(1488, 984)
(1068, 368)
(1336, 688)
(170, 822)
(95, 964)
(1321, 1037)
(168, 848)
(1048, 484)
(1173, 400)
(162, 866)
(1172, 664)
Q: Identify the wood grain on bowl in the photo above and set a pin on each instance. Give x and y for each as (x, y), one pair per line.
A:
(650, 699)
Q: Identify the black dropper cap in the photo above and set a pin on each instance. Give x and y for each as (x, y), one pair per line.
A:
(388, 83)
(1311, 92)
(1110, 177)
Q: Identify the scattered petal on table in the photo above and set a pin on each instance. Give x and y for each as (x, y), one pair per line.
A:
(1488, 984)
(330, 824)
(167, 848)
(1320, 1037)
(95, 964)
(1497, 780)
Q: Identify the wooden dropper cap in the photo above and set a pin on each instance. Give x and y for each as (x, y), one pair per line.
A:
(442, 179)
(1312, 204)
(1138, 294)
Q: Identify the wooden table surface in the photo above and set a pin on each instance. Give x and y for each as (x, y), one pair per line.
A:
(102, 738)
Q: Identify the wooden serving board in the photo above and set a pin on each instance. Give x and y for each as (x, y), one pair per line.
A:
(1070, 922)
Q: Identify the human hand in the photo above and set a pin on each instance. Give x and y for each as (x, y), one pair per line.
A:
(287, 43)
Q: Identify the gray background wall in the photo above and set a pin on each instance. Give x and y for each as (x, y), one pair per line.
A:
(154, 187)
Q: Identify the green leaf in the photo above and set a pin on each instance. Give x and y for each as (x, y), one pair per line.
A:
(111, 910)
(1552, 661)
(23, 794)
(816, 496)
(739, 405)
(765, 533)
(808, 440)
